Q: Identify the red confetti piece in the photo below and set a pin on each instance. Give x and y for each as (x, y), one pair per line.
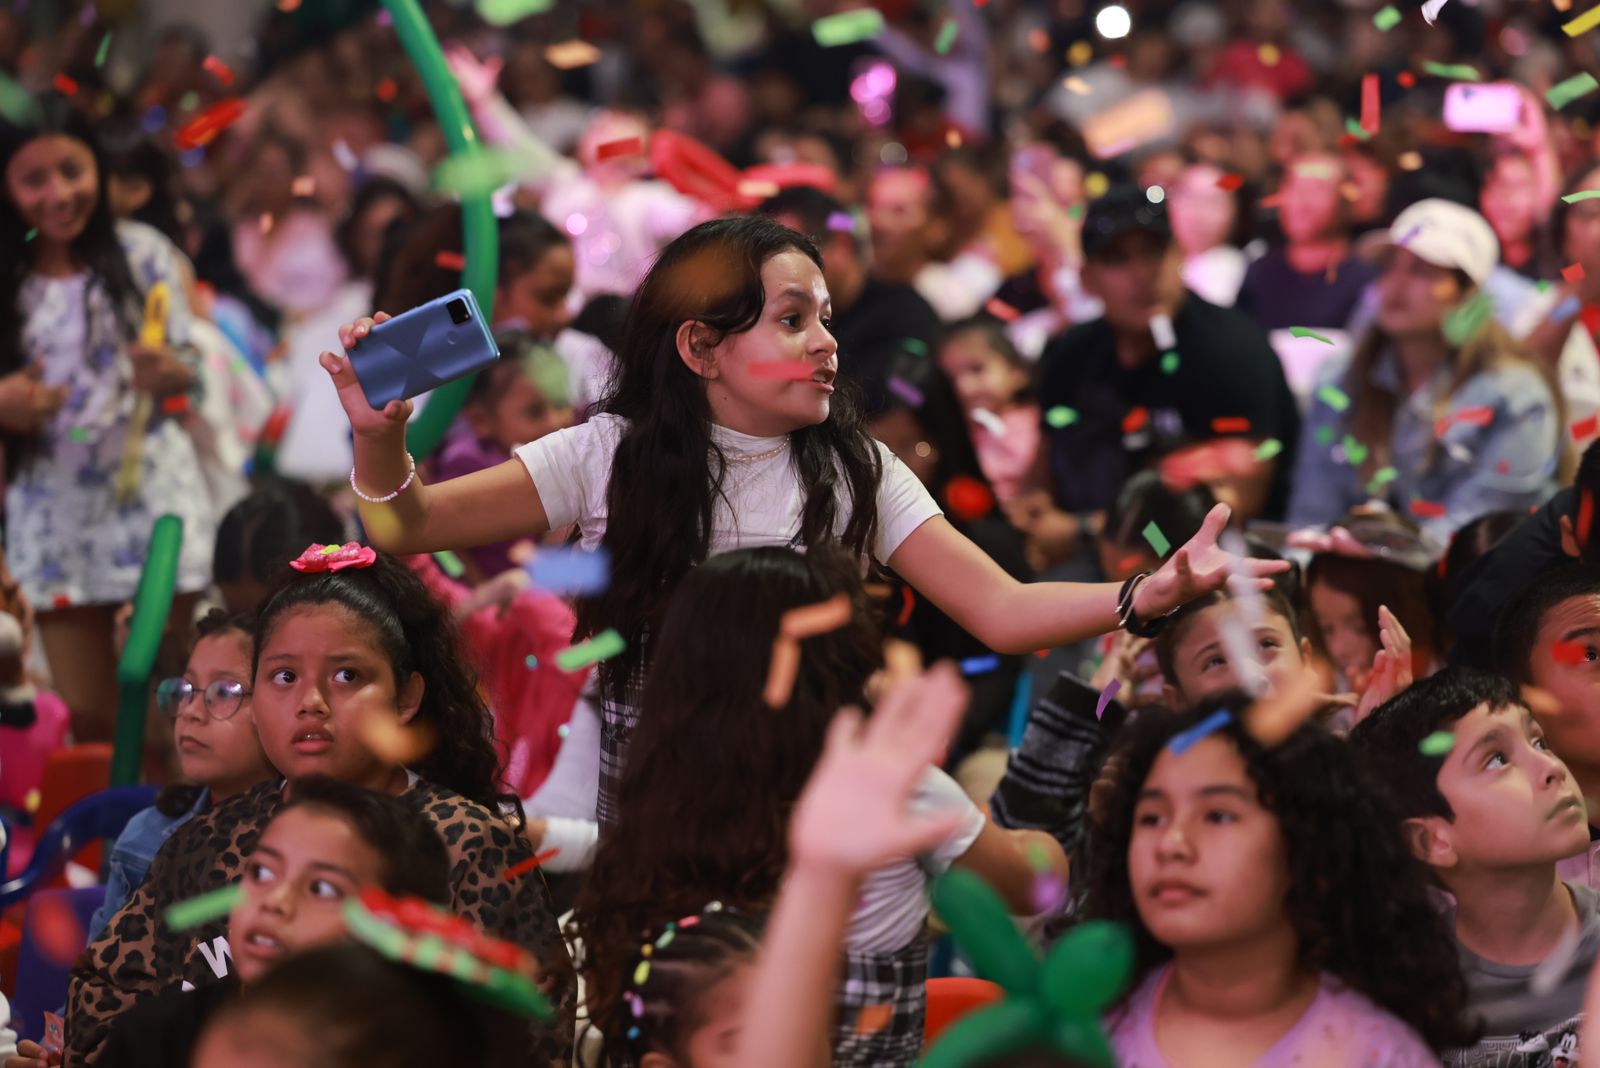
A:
(530, 864)
(791, 370)
(1428, 509)
(1573, 272)
(874, 1018)
(1130, 561)
(61, 600)
(175, 405)
(1585, 515)
(1585, 428)
(218, 70)
(386, 90)
(627, 146)
(1474, 416)
(1001, 310)
(55, 929)
(968, 498)
(907, 602)
(65, 85)
(1406, 79)
(1135, 420)
(1502, 467)
(1590, 318)
(1230, 182)
(1570, 653)
(450, 261)
(203, 128)
(276, 424)
(1369, 103)
(1230, 424)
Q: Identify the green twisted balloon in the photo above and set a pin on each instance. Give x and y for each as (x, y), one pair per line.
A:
(481, 239)
(152, 603)
(1055, 1003)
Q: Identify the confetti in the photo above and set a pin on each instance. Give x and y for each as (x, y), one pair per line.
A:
(218, 70)
(1369, 103)
(1169, 363)
(1184, 741)
(1573, 272)
(203, 128)
(1158, 541)
(31, 802)
(1583, 23)
(989, 421)
(1408, 80)
(914, 345)
(1135, 420)
(1437, 744)
(1001, 310)
(1049, 892)
(810, 620)
(849, 27)
(905, 391)
(782, 669)
(1428, 509)
(1161, 329)
(791, 370)
(627, 146)
(947, 37)
(842, 222)
(1386, 19)
(56, 931)
(980, 665)
(505, 12)
(204, 908)
(31, 234)
(1060, 416)
(450, 261)
(65, 85)
(1334, 397)
(78, 434)
(101, 52)
(968, 497)
(1075, 84)
(1430, 11)
(571, 571)
(907, 603)
(874, 1018)
(1353, 129)
(1305, 331)
(1585, 515)
(1105, 699)
(1582, 194)
(1230, 183)
(530, 662)
(396, 742)
(570, 55)
(451, 563)
(603, 646)
(1268, 449)
(531, 863)
(1381, 478)
(1230, 424)
(1564, 93)
(1460, 72)
(1569, 653)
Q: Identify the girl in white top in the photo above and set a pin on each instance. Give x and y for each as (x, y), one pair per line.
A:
(726, 428)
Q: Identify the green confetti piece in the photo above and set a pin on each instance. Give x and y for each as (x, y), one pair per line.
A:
(451, 563)
(1169, 363)
(1354, 128)
(202, 909)
(1564, 93)
(1386, 19)
(189, 101)
(947, 37)
(1543, 285)
(79, 434)
(16, 103)
(1158, 541)
(667, 936)
(1324, 435)
(1076, 211)
(530, 662)
(641, 973)
(1060, 416)
(848, 27)
(1268, 449)
(505, 12)
(1306, 331)
(1459, 72)
(1437, 744)
(1334, 397)
(603, 646)
(102, 51)
(915, 345)
(1463, 323)
(31, 234)
(1381, 478)
(1354, 451)
(1582, 194)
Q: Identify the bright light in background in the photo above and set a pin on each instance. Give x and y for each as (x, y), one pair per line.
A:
(1155, 194)
(1113, 21)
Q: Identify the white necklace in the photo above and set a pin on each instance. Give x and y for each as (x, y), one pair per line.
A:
(756, 457)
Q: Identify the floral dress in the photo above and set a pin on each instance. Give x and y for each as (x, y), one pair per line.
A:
(68, 540)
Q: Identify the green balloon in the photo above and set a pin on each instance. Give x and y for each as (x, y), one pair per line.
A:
(982, 927)
(480, 237)
(994, 1031)
(1087, 969)
(152, 603)
(1082, 1040)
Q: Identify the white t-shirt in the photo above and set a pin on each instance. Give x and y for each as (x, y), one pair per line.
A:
(572, 469)
(894, 900)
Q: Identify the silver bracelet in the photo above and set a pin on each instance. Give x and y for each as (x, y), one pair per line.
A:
(411, 473)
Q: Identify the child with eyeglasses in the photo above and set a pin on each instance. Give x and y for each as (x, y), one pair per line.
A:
(219, 754)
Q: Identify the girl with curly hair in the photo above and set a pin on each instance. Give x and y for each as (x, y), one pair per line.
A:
(359, 677)
(1277, 914)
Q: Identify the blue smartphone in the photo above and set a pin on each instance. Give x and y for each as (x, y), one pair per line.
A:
(423, 348)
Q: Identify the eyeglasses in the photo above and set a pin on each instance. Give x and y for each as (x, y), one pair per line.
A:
(222, 697)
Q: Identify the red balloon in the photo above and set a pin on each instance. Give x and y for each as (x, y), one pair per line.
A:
(694, 169)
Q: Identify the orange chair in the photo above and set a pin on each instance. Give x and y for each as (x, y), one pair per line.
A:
(953, 997)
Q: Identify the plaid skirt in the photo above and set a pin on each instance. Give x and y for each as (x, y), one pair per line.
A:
(882, 1006)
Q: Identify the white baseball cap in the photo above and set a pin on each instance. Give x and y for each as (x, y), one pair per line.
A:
(1445, 234)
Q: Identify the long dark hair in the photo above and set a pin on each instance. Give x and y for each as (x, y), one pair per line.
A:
(712, 772)
(97, 247)
(130, 152)
(668, 472)
(1358, 898)
(415, 634)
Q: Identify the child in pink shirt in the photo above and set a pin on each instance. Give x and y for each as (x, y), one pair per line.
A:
(991, 378)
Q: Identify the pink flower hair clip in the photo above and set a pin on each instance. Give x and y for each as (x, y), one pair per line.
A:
(319, 558)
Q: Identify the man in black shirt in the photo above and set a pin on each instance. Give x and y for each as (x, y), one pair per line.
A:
(873, 320)
(1162, 370)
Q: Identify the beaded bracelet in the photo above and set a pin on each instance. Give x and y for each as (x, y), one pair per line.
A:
(411, 473)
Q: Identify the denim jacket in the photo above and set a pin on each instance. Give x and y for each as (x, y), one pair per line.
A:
(1499, 460)
(135, 848)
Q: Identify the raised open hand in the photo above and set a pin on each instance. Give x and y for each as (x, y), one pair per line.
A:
(1201, 566)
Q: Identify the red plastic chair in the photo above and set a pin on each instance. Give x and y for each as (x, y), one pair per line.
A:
(70, 775)
(951, 998)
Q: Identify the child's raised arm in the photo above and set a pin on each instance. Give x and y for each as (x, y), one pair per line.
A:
(851, 818)
(497, 504)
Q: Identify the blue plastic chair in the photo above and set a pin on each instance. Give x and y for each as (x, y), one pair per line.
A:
(42, 979)
(101, 815)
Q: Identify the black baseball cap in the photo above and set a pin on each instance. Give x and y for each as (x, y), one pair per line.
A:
(1123, 210)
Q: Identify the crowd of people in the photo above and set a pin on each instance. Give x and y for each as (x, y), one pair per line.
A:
(1142, 455)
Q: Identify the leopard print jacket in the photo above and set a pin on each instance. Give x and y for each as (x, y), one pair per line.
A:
(138, 955)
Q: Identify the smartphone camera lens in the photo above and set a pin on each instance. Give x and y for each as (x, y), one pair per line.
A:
(458, 311)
